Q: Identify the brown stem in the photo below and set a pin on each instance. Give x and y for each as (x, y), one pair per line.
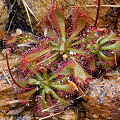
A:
(81, 93)
(98, 9)
(12, 75)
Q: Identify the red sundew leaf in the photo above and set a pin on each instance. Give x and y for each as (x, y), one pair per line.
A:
(51, 33)
(57, 20)
(42, 69)
(14, 37)
(92, 62)
(76, 14)
(80, 25)
(24, 97)
(38, 107)
(80, 51)
(49, 59)
(91, 36)
(60, 18)
(66, 70)
(46, 23)
(11, 40)
(107, 65)
(79, 72)
(34, 54)
(47, 26)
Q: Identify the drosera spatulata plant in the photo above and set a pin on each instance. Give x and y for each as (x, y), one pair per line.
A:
(106, 47)
(63, 52)
(57, 41)
(47, 86)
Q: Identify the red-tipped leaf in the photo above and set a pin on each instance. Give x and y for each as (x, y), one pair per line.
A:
(24, 97)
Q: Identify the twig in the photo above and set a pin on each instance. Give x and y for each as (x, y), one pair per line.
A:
(8, 74)
(110, 6)
(10, 24)
(5, 75)
(81, 93)
(11, 102)
(88, 6)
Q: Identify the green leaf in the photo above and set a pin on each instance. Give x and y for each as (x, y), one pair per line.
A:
(70, 87)
(108, 38)
(90, 37)
(79, 51)
(62, 48)
(44, 71)
(106, 66)
(55, 49)
(54, 95)
(44, 105)
(92, 64)
(54, 43)
(100, 38)
(77, 42)
(24, 97)
(22, 83)
(48, 90)
(80, 25)
(89, 46)
(37, 74)
(115, 46)
(80, 74)
(33, 82)
(53, 76)
(64, 103)
(105, 57)
(66, 70)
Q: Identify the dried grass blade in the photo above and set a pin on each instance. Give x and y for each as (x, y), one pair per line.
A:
(48, 116)
(26, 8)
(8, 102)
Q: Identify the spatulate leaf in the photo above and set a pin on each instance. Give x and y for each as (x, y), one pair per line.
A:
(24, 97)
